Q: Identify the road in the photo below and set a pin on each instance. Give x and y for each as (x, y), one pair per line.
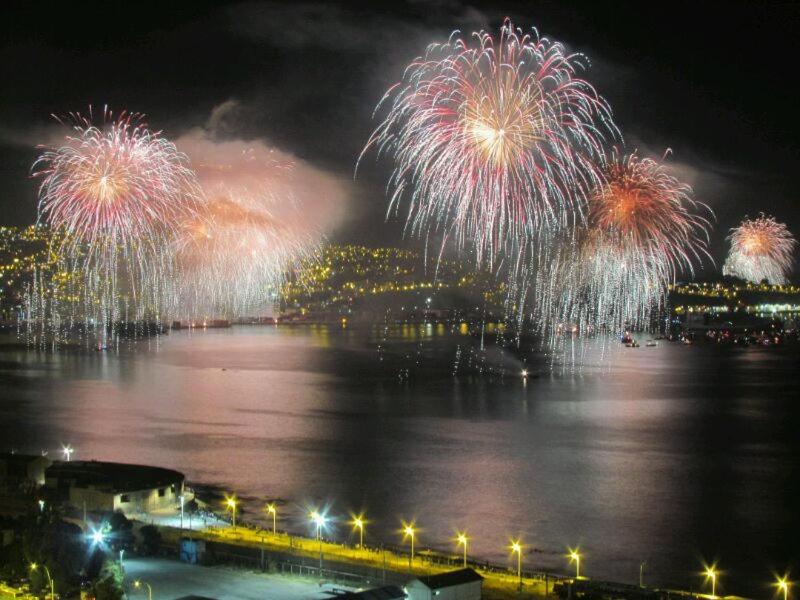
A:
(171, 579)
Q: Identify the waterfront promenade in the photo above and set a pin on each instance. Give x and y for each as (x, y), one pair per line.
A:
(374, 564)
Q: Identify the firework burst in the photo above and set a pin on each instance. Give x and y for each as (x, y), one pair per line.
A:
(761, 249)
(643, 228)
(494, 139)
(117, 192)
(249, 235)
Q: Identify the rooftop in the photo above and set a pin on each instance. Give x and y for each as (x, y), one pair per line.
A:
(388, 592)
(451, 578)
(119, 477)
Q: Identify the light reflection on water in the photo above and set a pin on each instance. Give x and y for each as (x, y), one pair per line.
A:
(675, 454)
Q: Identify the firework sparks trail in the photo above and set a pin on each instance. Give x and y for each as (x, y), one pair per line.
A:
(643, 228)
(495, 140)
(116, 191)
(250, 234)
(761, 249)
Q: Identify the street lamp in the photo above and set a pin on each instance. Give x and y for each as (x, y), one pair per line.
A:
(319, 520)
(138, 584)
(463, 540)
(783, 585)
(575, 557)
(516, 548)
(67, 451)
(230, 504)
(271, 510)
(711, 573)
(35, 567)
(409, 532)
(358, 523)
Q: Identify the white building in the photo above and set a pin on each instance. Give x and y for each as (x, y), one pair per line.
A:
(464, 584)
(103, 486)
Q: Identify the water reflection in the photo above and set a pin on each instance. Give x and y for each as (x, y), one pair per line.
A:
(675, 454)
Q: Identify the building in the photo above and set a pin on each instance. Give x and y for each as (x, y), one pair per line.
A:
(104, 486)
(387, 592)
(463, 584)
(22, 471)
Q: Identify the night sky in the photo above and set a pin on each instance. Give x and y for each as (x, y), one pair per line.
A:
(713, 83)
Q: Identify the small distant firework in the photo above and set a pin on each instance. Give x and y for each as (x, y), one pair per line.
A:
(761, 249)
(494, 140)
(643, 228)
(116, 191)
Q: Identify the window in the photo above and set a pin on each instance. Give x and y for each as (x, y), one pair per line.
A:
(125, 498)
(161, 492)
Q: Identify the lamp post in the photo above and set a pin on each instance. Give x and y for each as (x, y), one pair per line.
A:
(35, 567)
(358, 523)
(271, 510)
(409, 532)
(319, 521)
(516, 548)
(783, 585)
(711, 573)
(463, 540)
(181, 498)
(137, 584)
(231, 503)
(67, 451)
(575, 557)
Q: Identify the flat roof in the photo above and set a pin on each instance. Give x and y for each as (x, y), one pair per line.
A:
(118, 477)
(451, 578)
(387, 592)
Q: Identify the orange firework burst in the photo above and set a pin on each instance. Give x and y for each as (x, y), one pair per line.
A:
(646, 208)
(761, 249)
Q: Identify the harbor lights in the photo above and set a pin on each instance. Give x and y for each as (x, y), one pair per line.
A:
(358, 522)
(516, 548)
(230, 504)
(410, 533)
(783, 584)
(574, 556)
(463, 540)
(712, 574)
(272, 510)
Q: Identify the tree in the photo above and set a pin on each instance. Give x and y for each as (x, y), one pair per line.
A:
(109, 583)
(151, 540)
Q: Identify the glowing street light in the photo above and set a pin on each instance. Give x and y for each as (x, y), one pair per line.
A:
(97, 536)
(319, 520)
(409, 532)
(783, 585)
(516, 548)
(358, 523)
(272, 510)
(463, 540)
(35, 567)
(67, 451)
(575, 557)
(230, 504)
(712, 573)
(138, 584)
